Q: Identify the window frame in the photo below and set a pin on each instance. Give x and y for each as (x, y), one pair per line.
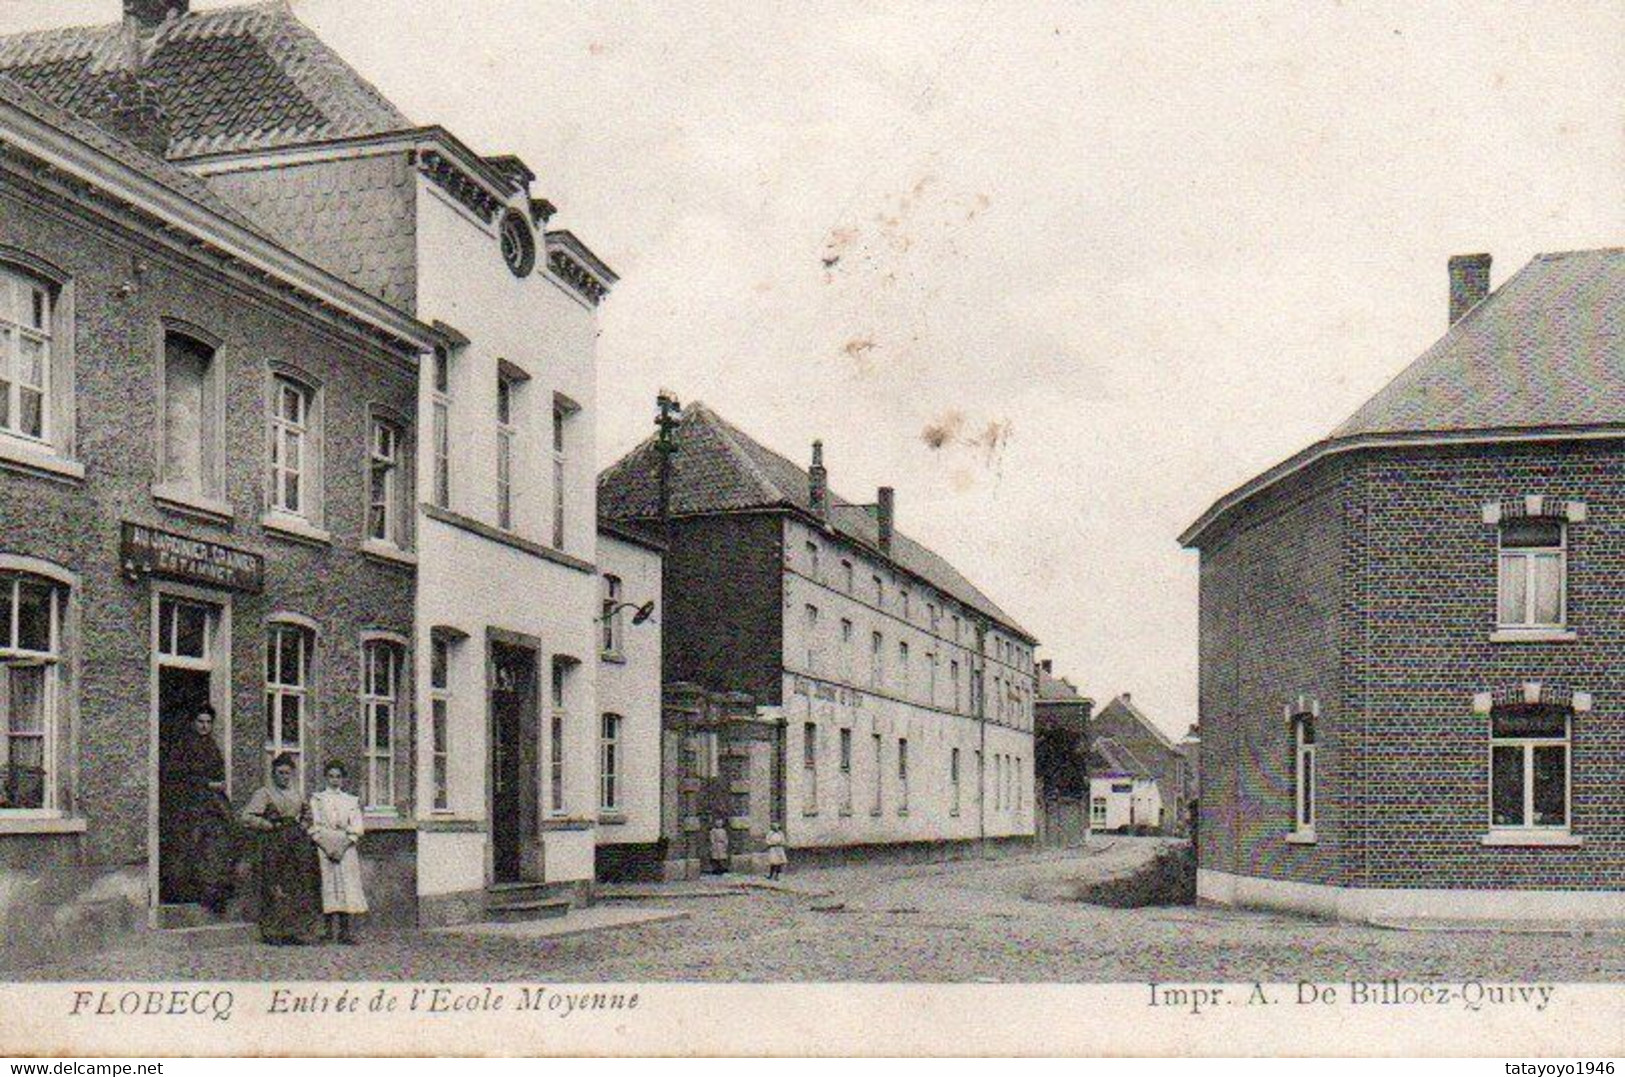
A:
(307, 431)
(396, 481)
(371, 701)
(440, 699)
(1527, 746)
(507, 433)
(610, 762)
(211, 425)
(52, 661)
(277, 692)
(845, 761)
(440, 429)
(1305, 776)
(558, 712)
(612, 631)
(809, 768)
(18, 280)
(1530, 557)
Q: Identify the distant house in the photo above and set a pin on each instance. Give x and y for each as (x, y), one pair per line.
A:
(1123, 793)
(1061, 732)
(1121, 721)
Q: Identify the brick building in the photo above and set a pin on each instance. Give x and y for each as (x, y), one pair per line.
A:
(853, 683)
(1154, 753)
(188, 417)
(491, 510)
(1413, 632)
(1061, 733)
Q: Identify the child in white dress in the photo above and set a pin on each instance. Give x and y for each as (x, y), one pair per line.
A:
(336, 827)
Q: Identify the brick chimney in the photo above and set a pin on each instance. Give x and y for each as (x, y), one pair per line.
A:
(151, 14)
(1469, 283)
(885, 516)
(818, 483)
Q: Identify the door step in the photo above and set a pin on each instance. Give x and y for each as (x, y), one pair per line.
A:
(172, 917)
(508, 902)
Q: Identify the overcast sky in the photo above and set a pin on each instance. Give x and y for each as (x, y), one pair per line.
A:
(1061, 273)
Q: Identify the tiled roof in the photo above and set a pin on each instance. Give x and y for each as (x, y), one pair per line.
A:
(1542, 354)
(229, 79)
(722, 469)
(1118, 760)
(1053, 689)
(1544, 350)
(1123, 708)
(177, 180)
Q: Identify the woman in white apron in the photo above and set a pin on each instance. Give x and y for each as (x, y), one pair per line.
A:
(335, 824)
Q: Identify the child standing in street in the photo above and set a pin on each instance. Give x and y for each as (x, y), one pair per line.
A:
(776, 857)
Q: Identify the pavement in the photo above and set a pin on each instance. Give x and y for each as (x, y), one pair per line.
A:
(1011, 918)
(585, 921)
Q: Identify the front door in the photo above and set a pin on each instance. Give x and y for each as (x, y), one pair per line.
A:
(513, 762)
(186, 650)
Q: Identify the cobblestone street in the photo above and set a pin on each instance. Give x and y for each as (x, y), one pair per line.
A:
(1002, 920)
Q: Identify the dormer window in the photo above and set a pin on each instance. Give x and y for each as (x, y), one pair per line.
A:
(1533, 573)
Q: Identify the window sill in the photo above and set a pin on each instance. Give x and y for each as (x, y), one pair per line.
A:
(39, 823)
(39, 459)
(1560, 838)
(1533, 635)
(1302, 837)
(388, 551)
(612, 818)
(187, 503)
(566, 822)
(612, 657)
(382, 819)
(809, 813)
(296, 528)
(846, 813)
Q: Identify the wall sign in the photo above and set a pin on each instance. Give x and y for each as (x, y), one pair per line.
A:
(147, 551)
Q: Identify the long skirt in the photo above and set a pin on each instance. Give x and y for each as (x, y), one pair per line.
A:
(290, 892)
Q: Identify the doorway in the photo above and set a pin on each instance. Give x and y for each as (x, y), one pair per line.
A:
(514, 777)
(186, 651)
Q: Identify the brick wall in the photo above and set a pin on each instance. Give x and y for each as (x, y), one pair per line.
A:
(116, 334)
(723, 623)
(1368, 584)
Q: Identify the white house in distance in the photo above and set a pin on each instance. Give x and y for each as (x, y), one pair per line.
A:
(1123, 793)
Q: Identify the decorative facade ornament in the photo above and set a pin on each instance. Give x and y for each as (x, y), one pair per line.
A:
(518, 243)
(459, 184)
(577, 276)
(1514, 508)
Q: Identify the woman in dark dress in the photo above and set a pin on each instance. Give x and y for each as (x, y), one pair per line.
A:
(289, 888)
(196, 780)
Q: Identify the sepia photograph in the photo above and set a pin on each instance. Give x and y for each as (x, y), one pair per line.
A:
(533, 527)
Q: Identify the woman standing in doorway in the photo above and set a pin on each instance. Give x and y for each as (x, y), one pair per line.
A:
(335, 823)
(719, 847)
(776, 857)
(277, 812)
(195, 783)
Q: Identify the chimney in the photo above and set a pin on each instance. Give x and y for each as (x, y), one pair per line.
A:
(151, 14)
(818, 483)
(1469, 283)
(1047, 665)
(885, 516)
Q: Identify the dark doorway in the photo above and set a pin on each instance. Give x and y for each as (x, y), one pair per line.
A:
(180, 693)
(513, 763)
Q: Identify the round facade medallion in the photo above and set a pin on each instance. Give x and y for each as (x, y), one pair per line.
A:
(518, 244)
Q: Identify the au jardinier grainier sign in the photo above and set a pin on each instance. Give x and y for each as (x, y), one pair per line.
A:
(148, 551)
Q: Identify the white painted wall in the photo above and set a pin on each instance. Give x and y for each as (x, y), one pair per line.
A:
(472, 583)
(1140, 806)
(629, 685)
(828, 684)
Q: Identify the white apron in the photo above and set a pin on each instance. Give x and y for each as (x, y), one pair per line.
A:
(335, 815)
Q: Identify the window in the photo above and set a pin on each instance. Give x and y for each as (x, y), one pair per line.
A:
(439, 706)
(611, 623)
(609, 767)
(902, 776)
(880, 777)
(934, 615)
(441, 409)
(384, 516)
(1533, 567)
(930, 678)
(956, 628)
(25, 354)
(505, 440)
(1097, 811)
(953, 781)
(904, 599)
(812, 561)
(846, 648)
(1529, 766)
(1020, 798)
(191, 419)
(877, 660)
(846, 771)
(381, 664)
(902, 667)
(31, 613)
(981, 779)
(561, 417)
(953, 681)
(292, 449)
(809, 769)
(1303, 773)
(812, 638)
(287, 691)
(555, 739)
(880, 592)
(846, 577)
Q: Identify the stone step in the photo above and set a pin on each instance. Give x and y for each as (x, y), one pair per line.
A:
(543, 909)
(499, 893)
(188, 915)
(204, 937)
